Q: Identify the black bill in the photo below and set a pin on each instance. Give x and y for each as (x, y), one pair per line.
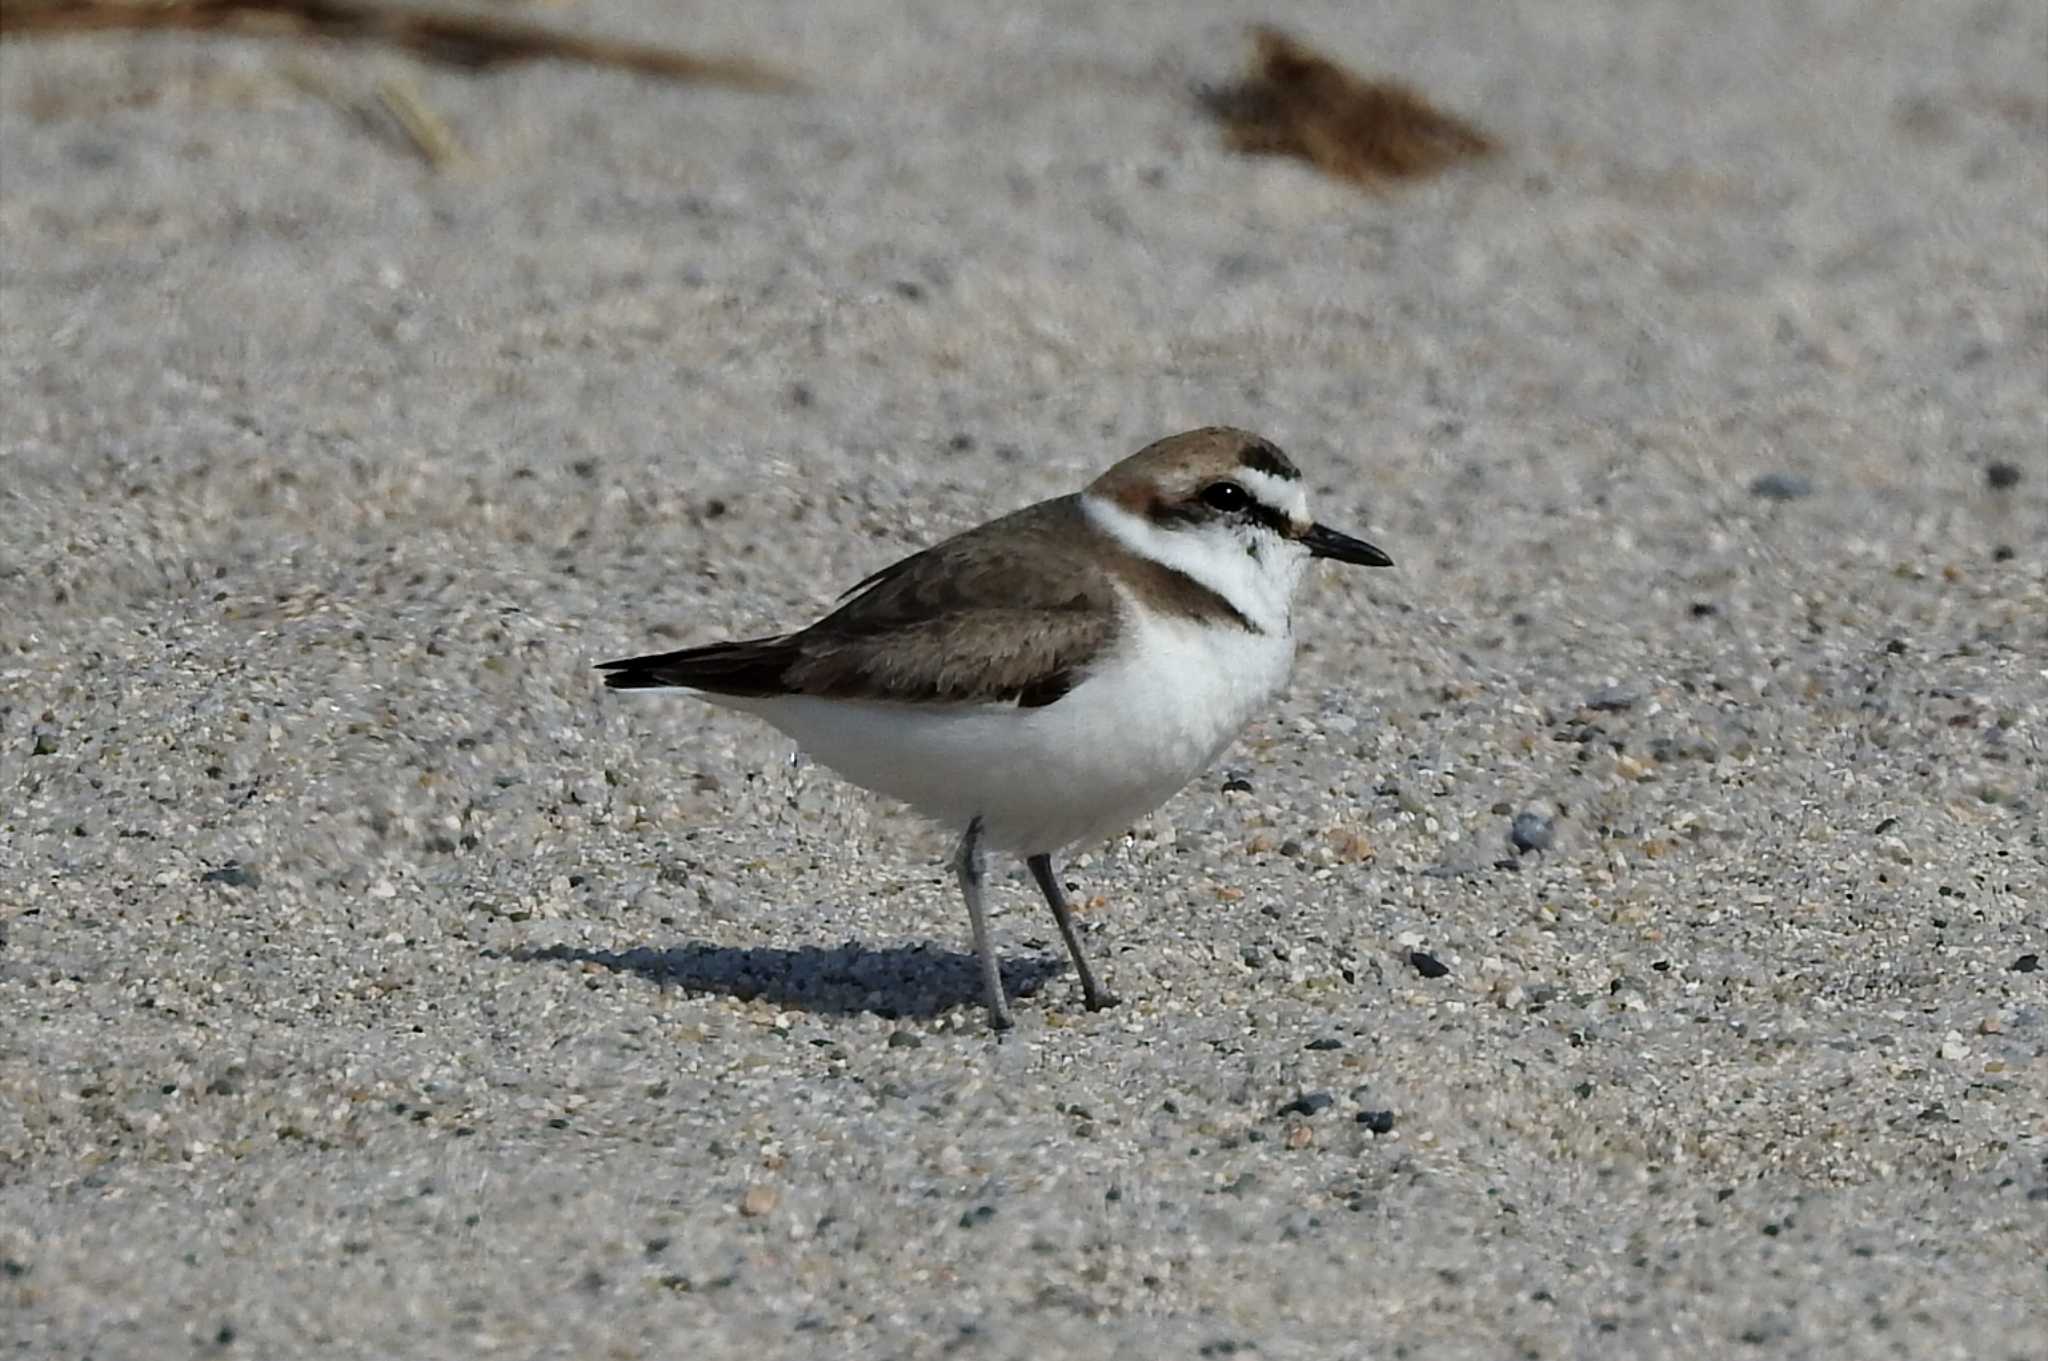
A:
(1325, 542)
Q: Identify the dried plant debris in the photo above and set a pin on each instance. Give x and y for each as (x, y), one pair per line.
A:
(1296, 102)
(453, 38)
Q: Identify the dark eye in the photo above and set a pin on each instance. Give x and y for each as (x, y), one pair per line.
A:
(1227, 497)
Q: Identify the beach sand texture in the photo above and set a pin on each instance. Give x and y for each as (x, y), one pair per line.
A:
(372, 984)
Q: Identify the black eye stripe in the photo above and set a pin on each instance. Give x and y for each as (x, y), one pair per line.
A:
(1196, 511)
(1272, 519)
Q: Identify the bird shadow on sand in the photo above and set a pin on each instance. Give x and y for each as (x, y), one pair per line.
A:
(902, 982)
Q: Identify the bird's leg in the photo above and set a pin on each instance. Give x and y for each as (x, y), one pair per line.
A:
(1094, 994)
(972, 867)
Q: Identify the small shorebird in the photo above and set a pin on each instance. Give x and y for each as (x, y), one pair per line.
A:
(1054, 675)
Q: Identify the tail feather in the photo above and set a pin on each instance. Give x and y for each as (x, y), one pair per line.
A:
(753, 667)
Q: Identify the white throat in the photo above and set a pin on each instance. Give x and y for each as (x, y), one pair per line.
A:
(1256, 572)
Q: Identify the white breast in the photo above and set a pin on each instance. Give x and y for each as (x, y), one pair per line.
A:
(1158, 712)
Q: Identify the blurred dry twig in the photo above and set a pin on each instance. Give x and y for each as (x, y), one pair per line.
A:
(453, 38)
(1296, 102)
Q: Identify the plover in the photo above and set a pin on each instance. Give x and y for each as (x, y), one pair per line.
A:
(1054, 675)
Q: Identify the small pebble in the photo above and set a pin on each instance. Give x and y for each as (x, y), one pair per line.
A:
(904, 1039)
(759, 1200)
(1237, 784)
(2002, 475)
(1379, 1122)
(2027, 963)
(1325, 1043)
(976, 1217)
(1782, 486)
(1428, 965)
(1531, 832)
(1667, 749)
(234, 874)
(1308, 1103)
(1612, 699)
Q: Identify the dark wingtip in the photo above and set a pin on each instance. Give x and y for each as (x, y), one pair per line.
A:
(751, 667)
(631, 680)
(632, 673)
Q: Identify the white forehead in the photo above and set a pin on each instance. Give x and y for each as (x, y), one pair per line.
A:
(1282, 494)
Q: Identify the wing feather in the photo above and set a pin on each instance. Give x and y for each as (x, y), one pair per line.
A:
(1002, 614)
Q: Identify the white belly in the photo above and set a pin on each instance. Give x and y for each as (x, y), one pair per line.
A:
(1083, 768)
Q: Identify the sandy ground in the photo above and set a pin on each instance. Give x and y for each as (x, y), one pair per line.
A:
(373, 985)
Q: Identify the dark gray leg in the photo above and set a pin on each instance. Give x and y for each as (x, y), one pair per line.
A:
(1094, 994)
(972, 867)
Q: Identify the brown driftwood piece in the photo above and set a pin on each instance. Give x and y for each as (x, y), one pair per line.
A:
(1296, 102)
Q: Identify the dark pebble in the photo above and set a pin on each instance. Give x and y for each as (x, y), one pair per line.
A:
(2002, 475)
(1885, 826)
(1325, 1043)
(1253, 956)
(1237, 784)
(976, 1217)
(234, 874)
(1428, 965)
(1668, 749)
(904, 1039)
(1613, 699)
(2027, 963)
(45, 745)
(2003, 553)
(1308, 1103)
(1531, 832)
(1782, 486)
(1379, 1122)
